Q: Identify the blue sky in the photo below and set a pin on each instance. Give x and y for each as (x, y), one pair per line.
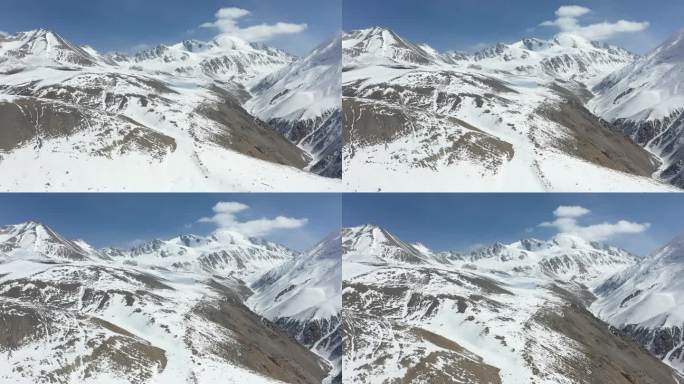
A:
(122, 25)
(469, 24)
(125, 219)
(463, 221)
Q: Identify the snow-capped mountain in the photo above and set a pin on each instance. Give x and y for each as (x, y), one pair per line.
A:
(230, 254)
(511, 117)
(564, 257)
(302, 101)
(386, 247)
(42, 47)
(159, 313)
(647, 303)
(168, 118)
(476, 317)
(35, 241)
(303, 297)
(224, 58)
(645, 100)
(382, 46)
(567, 57)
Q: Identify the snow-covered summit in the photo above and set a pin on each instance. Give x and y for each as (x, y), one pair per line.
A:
(43, 47)
(32, 240)
(228, 253)
(566, 56)
(378, 45)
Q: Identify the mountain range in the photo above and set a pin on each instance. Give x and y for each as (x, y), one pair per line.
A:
(185, 310)
(562, 310)
(219, 115)
(533, 115)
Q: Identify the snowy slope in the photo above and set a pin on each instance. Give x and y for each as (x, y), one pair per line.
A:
(646, 101)
(482, 316)
(169, 118)
(138, 317)
(302, 101)
(303, 296)
(510, 118)
(647, 302)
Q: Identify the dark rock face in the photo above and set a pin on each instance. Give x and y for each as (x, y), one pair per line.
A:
(323, 332)
(660, 341)
(322, 139)
(322, 335)
(664, 137)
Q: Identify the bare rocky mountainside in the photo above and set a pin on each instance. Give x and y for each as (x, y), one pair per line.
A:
(168, 311)
(508, 313)
(513, 117)
(189, 116)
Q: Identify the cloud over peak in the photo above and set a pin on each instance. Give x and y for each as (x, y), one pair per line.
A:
(567, 21)
(225, 218)
(570, 211)
(227, 24)
(566, 222)
(572, 11)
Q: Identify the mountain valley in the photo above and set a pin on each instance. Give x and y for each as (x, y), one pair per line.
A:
(525, 312)
(173, 116)
(514, 117)
(166, 311)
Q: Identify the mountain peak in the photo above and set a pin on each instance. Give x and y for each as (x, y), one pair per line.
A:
(32, 239)
(571, 40)
(380, 45)
(45, 45)
(673, 252)
(232, 43)
(671, 51)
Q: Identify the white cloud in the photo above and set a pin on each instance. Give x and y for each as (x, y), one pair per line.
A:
(570, 211)
(225, 219)
(566, 223)
(3, 33)
(572, 11)
(227, 23)
(567, 21)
